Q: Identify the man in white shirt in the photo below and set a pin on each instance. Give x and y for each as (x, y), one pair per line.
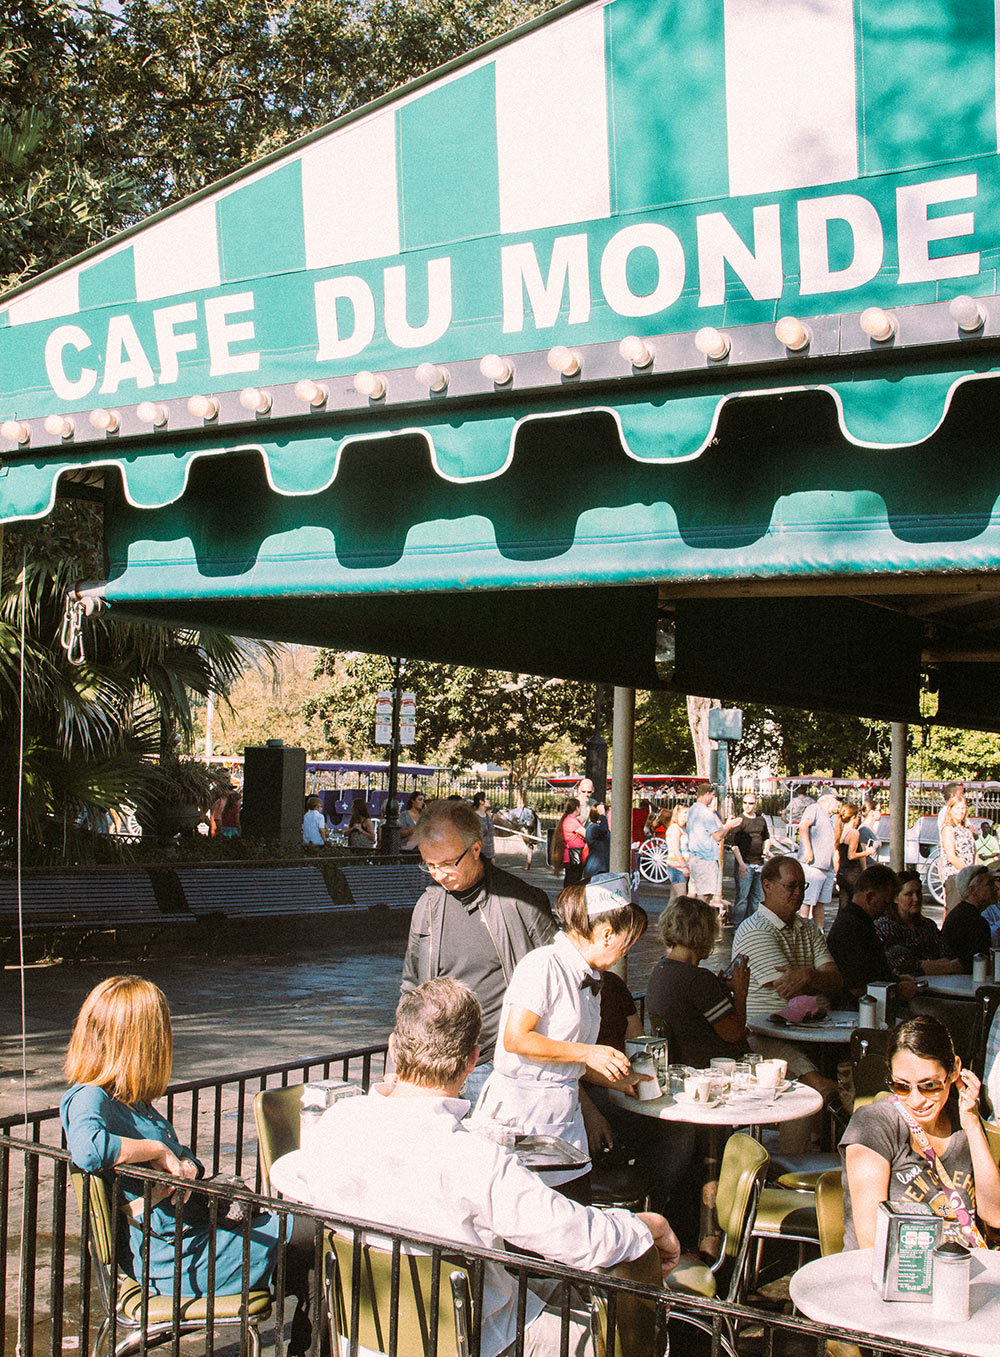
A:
(818, 855)
(403, 1158)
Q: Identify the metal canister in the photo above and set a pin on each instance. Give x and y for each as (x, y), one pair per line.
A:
(950, 1285)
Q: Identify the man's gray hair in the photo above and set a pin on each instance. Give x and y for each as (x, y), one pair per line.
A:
(441, 816)
(437, 1027)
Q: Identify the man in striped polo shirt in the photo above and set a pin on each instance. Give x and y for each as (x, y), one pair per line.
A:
(788, 956)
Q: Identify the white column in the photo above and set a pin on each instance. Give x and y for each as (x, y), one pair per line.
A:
(897, 796)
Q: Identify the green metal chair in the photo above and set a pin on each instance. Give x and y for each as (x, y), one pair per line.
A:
(276, 1115)
(366, 1309)
(163, 1317)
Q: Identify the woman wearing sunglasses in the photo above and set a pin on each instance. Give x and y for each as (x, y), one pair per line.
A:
(923, 1144)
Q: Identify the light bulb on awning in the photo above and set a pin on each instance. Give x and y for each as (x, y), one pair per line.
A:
(107, 421)
(60, 426)
(203, 407)
(712, 343)
(495, 369)
(434, 377)
(311, 393)
(15, 431)
(370, 384)
(255, 400)
(792, 333)
(563, 360)
(877, 324)
(636, 351)
(967, 313)
(151, 412)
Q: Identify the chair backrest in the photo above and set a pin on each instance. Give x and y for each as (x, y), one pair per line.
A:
(830, 1211)
(985, 1045)
(868, 1051)
(741, 1177)
(364, 1275)
(100, 1227)
(276, 1114)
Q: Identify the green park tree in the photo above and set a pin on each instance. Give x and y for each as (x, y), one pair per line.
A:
(464, 715)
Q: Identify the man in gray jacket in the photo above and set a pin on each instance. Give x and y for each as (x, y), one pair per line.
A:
(474, 921)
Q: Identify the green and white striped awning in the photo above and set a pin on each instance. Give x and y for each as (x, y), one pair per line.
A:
(578, 201)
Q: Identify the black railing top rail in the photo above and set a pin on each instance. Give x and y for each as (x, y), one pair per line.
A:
(261, 1073)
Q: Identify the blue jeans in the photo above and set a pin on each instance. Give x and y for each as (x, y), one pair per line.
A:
(749, 893)
(473, 1086)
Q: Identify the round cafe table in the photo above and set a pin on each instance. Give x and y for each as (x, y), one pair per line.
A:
(835, 1028)
(753, 1110)
(954, 986)
(838, 1290)
(750, 1110)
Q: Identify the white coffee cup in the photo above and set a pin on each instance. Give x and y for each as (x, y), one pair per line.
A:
(698, 1087)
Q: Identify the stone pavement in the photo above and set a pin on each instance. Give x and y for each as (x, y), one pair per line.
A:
(235, 1011)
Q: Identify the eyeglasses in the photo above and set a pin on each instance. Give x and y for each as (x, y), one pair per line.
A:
(429, 868)
(927, 1088)
(792, 886)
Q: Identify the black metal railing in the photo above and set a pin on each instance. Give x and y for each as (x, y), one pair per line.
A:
(53, 1297)
(57, 1293)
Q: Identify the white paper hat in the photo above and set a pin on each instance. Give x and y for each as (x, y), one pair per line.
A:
(607, 892)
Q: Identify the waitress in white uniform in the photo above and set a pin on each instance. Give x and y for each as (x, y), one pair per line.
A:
(550, 1020)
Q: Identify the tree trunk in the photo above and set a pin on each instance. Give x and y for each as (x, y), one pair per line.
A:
(697, 710)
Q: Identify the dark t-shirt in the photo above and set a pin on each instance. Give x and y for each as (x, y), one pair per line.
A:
(467, 950)
(749, 837)
(857, 948)
(882, 1129)
(617, 1006)
(964, 933)
(690, 999)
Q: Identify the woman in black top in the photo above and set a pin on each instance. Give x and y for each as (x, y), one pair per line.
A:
(706, 1015)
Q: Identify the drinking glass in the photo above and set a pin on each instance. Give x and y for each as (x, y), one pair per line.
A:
(676, 1074)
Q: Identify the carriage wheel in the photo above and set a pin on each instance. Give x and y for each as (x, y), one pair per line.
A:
(653, 861)
(932, 878)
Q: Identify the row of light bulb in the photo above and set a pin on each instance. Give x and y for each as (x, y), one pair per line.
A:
(881, 326)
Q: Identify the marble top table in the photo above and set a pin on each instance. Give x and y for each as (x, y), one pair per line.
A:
(751, 1109)
(835, 1027)
(838, 1290)
(954, 986)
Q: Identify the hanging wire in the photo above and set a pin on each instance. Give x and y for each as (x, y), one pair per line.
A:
(20, 920)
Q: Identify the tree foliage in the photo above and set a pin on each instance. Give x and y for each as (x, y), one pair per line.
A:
(464, 715)
(90, 731)
(111, 113)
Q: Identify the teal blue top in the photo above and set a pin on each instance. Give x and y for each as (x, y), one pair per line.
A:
(95, 1123)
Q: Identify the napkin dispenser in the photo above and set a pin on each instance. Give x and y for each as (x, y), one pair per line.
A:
(906, 1234)
(884, 994)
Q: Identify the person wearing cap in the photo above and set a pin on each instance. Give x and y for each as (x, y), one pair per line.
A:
(551, 1017)
(964, 931)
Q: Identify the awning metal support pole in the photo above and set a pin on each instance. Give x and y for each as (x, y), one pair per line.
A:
(897, 796)
(622, 767)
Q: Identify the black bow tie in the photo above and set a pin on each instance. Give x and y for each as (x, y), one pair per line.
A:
(592, 982)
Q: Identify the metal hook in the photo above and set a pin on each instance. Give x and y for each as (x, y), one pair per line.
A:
(71, 636)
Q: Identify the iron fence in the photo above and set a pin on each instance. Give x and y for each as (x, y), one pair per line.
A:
(51, 1284)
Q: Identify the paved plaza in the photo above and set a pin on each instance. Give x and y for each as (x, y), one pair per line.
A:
(239, 1010)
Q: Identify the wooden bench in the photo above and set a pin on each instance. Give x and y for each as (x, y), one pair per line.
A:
(385, 887)
(66, 904)
(249, 893)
